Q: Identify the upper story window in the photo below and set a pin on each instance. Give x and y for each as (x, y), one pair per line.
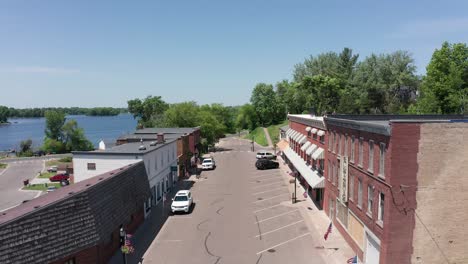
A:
(381, 207)
(359, 197)
(351, 187)
(371, 156)
(352, 149)
(361, 154)
(340, 146)
(329, 171)
(334, 142)
(91, 166)
(329, 142)
(155, 163)
(322, 138)
(382, 160)
(346, 145)
(370, 199)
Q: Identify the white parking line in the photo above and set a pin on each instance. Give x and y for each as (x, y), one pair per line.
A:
(266, 208)
(280, 244)
(272, 190)
(266, 175)
(277, 229)
(269, 218)
(269, 198)
(258, 186)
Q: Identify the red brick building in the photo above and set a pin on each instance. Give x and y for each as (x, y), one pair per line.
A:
(372, 192)
(305, 154)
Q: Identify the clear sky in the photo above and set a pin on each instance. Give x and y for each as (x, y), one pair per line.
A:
(103, 53)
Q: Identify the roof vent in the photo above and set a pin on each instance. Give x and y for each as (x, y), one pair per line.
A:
(88, 184)
(100, 178)
(161, 138)
(70, 193)
(111, 173)
(37, 206)
(153, 143)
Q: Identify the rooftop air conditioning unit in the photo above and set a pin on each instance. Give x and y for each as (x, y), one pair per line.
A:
(153, 143)
(142, 147)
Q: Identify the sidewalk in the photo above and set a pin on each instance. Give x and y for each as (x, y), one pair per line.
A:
(149, 229)
(336, 250)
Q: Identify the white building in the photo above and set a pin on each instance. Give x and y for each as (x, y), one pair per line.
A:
(160, 158)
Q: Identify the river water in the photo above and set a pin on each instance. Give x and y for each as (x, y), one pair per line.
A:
(107, 128)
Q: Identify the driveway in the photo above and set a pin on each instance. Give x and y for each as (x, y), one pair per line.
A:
(11, 180)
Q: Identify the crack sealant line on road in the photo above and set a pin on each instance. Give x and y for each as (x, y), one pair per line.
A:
(273, 217)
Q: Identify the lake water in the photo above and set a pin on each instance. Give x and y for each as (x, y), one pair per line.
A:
(107, 128)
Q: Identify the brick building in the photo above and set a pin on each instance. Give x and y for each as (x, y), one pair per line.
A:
(386, 179)
(78, 223)
(305, 154)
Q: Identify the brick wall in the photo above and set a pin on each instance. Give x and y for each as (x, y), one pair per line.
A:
(440, 231)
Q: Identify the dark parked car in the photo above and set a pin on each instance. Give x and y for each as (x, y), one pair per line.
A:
(38, 153)
(264, 164)
(59, 177)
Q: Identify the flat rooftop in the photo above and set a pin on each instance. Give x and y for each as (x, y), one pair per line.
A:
(308, 116)
(129, 148)
(151, 136)
(167, 130)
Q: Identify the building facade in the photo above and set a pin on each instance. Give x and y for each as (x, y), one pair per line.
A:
(373, 181)
(78, 223)
(159, 157)
(305, 154)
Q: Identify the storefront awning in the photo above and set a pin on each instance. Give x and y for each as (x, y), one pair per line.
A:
(302, 139)
(292, 135)
(282, 145)
(308, 129)
(318, 154)
(320, 133)
(297, 137)
(312, 178)
(311, 149)
(314, 130)
(306, 145)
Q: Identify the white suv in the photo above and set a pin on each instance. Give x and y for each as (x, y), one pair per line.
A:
(265, 155)
(208, 164)
(182, 201)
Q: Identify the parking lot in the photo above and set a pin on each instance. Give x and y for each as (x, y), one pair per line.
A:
(241, 215)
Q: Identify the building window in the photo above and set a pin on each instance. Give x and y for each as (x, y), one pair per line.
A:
(334, 173)
(337, 174)
(351, 187)
(371, 156)
(329, 172)
(329, 142)
(359, 195)
(361, 154)
(322, 139)
(339, 150)
(155, 164)
(352, 149)
(382, 160)
(370, 199)
(381, 206)
(91, 166)
(314, 136)
(334, 142)
(346, 145)
(72, 260)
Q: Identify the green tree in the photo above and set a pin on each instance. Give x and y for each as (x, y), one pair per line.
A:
(445, 88)
(25, 148)
(327, 64)
(246, 118)
(4, 113)
(184, 114)
(54, 122)
(265, 103)
(74, 138)
(53, 146)
(149, 111)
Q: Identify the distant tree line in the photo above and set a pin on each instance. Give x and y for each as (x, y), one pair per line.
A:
(6, 112)
(379, 84)
(214, 120)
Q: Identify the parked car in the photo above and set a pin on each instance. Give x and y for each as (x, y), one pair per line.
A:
(38, 153)
(208, 164)
(52, 169)
(60, 177)
(182, 201)
(264, 164)
(265, 155)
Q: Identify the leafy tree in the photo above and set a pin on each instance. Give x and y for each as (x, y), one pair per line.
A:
(327, 64)
(265, 103)
(445, 88)
(246, 118)
(346, 64)
(25, 148)
(210, 127)
(53, 146)
(147, 111)
(54, 122)
(74, 138)
(184, 114)
(4, 113)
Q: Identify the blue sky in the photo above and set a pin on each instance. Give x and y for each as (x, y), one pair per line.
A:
(103, 53)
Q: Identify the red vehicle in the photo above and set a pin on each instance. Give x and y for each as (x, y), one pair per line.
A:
(59, 177)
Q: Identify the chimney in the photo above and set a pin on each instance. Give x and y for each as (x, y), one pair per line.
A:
(312, 111)
(160, 138)
(102, 145)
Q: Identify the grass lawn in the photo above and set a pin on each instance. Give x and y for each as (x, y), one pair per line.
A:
(56, 162)
(273, 130)
(3, 165)
(258, 135)
(47, 175)
(40, 187)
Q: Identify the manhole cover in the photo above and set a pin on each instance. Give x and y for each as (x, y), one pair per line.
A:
(271, 250)
(260, 198)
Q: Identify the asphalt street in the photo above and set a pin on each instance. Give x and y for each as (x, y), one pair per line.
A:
(241, 215)
(11, 180)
